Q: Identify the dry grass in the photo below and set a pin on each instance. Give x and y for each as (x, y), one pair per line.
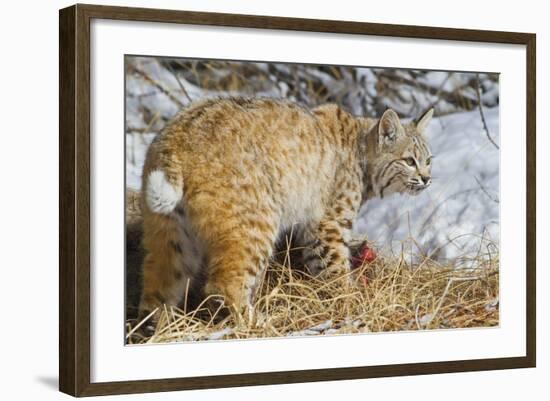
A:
(385, 295)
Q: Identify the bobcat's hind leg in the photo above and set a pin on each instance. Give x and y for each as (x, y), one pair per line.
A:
(170, 265)
(237, 261)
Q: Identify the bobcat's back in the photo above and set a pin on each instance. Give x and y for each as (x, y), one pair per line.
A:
(237, 153)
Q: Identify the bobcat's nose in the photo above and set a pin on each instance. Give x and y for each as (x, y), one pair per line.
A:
(425, 179)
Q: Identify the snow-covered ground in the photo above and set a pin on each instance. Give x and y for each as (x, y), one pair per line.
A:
(458, 216)
(136, 147)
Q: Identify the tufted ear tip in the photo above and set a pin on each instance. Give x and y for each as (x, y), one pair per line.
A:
(423, 121)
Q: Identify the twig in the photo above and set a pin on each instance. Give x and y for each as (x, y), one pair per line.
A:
(478, 93)
(485, 191)
(446, 291)
(159, 86)
(183, 90)
(447, 95)
(141, 130)
(438, 93)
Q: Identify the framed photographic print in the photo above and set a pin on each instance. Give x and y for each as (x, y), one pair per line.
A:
(251, 200)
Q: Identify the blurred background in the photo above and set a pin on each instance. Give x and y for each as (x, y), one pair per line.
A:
(457, 219)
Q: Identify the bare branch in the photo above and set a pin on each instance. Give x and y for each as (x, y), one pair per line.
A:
(478, 93)
(157, 84)
(183, 90)
(485, 191)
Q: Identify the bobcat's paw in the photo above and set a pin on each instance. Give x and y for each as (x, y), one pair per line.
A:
(340, 273)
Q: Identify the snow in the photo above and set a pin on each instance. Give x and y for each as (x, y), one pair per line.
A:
(136, 148)
(218, 335)
(312, 331)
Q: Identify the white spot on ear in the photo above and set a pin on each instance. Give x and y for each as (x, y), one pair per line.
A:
(388, 127)
(161, 196)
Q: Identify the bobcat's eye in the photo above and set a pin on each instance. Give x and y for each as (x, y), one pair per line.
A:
(410, 161)
(428, 161)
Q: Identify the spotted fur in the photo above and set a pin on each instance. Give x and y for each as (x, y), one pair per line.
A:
(227, 177)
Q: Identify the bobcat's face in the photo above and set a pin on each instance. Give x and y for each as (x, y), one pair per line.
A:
(403, 159)
(416, 163)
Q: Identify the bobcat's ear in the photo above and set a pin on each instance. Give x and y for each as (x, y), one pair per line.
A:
(389, 128)
(423, 121)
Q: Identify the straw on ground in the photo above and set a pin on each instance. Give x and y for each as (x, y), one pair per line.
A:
(388, 294)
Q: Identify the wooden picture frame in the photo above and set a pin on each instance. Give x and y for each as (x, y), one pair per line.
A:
(75, 206)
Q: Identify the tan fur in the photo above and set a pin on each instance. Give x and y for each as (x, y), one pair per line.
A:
(227, 177)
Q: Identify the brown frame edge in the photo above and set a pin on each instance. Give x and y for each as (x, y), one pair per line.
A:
(74, 199)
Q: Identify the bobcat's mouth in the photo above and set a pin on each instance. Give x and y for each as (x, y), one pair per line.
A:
(415, 188)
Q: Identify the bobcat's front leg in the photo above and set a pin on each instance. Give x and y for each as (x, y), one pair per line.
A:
(328, 250)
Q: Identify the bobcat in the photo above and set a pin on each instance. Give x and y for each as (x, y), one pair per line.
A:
(227, 177)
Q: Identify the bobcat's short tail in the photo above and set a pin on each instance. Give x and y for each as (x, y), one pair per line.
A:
(162, 196)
